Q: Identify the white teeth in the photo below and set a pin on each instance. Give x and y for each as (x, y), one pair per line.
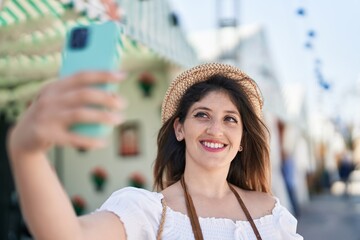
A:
(213, 145)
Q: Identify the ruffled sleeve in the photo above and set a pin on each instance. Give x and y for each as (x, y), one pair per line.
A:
(286, 223)
(138, 209)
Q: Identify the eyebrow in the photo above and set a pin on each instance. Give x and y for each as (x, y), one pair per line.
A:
(208, 109)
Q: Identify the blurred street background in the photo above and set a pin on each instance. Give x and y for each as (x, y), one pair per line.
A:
(330, 217)
(303, 54)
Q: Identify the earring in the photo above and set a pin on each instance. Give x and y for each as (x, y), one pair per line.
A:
(240, 148)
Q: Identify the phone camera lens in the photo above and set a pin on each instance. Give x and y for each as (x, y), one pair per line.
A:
(79, 38)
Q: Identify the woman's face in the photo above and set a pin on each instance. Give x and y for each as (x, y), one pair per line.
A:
(212, 131)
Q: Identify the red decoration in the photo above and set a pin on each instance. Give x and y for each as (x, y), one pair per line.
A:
(79, 204)
(137, 180)
(99, 177)
(146, 83)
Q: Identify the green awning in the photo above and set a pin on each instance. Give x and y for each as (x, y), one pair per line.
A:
(32, 33)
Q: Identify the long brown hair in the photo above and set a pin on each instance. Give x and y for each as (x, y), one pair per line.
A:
(250, 168)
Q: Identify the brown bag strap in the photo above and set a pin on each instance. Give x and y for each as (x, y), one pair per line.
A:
(195, 220)
(162, 220)
(192, 213)
(247, 214)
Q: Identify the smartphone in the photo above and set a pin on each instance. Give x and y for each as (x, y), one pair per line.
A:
(92, 47)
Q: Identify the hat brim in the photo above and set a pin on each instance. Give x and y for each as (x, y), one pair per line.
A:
(201, 73)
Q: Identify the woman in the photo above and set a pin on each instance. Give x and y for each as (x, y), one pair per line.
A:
(212, 166)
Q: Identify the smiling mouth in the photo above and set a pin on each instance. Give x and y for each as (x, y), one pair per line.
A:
(213, 145)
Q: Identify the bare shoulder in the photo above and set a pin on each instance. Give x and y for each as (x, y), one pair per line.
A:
(172, 192)
(259, 204)
(174, 198)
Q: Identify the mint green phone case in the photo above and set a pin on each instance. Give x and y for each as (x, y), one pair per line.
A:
(99, 53)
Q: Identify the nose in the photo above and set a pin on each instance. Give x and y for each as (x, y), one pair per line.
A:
(215, 128)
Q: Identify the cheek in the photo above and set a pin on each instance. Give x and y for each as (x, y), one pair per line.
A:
(193, 130)
(237, 136)
(190, 135)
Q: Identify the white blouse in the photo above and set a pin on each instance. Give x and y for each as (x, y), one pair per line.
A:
(140, 211)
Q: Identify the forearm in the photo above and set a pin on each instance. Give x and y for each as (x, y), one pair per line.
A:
(45, 205)
(44, 124)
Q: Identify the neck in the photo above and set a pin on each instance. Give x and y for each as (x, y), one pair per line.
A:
(207, 184)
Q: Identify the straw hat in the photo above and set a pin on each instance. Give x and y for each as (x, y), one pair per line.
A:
(201, 73)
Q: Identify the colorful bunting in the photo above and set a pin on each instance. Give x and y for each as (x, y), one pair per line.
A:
(309, 45)
(301, 11)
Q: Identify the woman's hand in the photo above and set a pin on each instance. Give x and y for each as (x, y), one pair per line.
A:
(62, 104)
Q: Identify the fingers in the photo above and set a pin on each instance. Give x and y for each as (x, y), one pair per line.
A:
(93, 96)
(66, 102)
(82, 142)
(91, 78)
(79, 89)
(56, 90)
(91, 115)
(63, 136)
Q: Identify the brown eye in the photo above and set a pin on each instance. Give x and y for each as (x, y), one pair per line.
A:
(231, 119)
(200, 115)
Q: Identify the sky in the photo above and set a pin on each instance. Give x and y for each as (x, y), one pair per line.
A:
(335, 52)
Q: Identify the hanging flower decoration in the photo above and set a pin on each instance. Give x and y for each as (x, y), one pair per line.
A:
(99, 177)
(79, 204)
(146, 83)
(137, 180)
